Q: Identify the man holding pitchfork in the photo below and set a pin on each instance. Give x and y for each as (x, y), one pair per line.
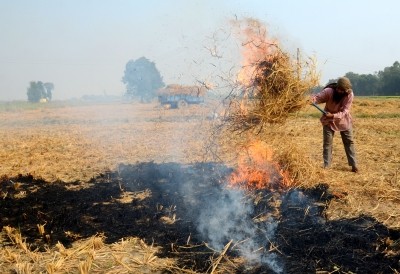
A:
(338, 98)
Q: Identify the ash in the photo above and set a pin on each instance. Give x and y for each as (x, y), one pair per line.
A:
(188, 211)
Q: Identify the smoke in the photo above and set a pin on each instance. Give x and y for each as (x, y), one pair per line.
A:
(229, 217)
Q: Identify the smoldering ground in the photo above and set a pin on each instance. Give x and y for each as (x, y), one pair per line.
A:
(186, 210)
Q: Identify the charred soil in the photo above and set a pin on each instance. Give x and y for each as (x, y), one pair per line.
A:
(165, 204)
(121, 173)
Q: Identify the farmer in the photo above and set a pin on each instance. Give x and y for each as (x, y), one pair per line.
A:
(338, 98)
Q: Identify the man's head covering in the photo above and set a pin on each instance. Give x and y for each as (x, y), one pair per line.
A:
(344, 83)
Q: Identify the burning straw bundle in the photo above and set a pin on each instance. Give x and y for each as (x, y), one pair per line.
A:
(272, 84)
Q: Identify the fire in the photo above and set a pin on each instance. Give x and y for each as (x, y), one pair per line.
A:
(258, 170)
(256, 47)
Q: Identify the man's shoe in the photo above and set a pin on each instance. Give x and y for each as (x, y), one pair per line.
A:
(354, 169)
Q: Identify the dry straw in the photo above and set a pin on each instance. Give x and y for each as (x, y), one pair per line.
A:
(91, 255)
(174, 89)
(271, 87)
(272, 84)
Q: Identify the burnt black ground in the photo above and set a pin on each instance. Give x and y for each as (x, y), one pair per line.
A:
(305, 241)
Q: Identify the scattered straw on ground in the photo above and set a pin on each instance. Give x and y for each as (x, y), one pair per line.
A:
(91, 255)
(91, 139)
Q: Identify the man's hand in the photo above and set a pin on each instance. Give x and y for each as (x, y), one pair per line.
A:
(328, 115)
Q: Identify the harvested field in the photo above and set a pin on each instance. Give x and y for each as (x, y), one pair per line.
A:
(134, 188)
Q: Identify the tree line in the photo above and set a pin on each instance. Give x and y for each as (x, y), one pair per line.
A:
(382, 83)
(142, 79)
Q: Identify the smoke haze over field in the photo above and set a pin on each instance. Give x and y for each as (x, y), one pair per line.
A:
(82, 47)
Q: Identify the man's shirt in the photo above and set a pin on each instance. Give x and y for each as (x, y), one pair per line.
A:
(342, 119)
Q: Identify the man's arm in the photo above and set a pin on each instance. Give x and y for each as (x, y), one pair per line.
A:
(345, 109)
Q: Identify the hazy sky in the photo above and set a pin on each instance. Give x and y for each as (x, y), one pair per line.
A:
(82, 46)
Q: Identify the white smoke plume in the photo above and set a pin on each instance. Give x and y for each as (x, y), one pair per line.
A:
(228, 217)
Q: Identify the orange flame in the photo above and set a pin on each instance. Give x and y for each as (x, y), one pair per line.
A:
(257, 170)
(256, 47)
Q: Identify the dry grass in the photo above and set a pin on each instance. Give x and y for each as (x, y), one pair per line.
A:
(91, 255)
(375, 190)
(78, 143)
(298, 148)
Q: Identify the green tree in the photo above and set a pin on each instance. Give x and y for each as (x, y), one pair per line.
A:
(142, 79)
(35, 91)
(364, 84)
(39, 90)
(386, 82)
(390, 78)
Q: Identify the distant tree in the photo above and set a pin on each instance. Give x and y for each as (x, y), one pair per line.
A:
(390, 78)
(386, 82)
(364, 84)
(39, 90)
(142, 79)
(35, 91)
(49, 89)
